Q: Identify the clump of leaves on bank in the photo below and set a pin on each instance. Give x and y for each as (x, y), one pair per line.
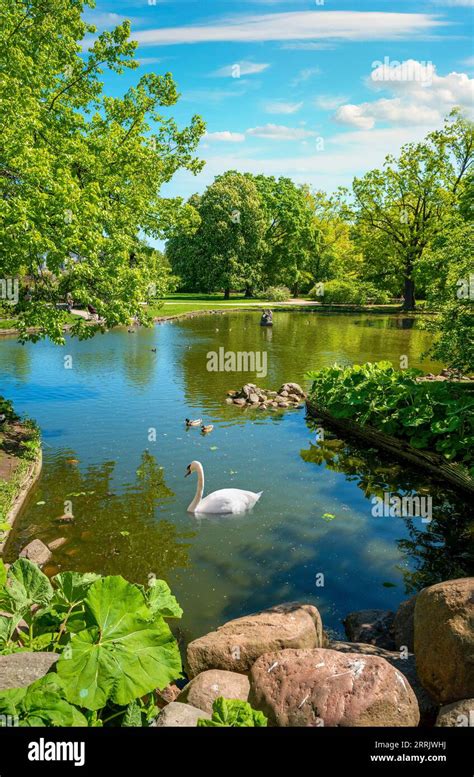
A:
(430, 415)
(114, 644)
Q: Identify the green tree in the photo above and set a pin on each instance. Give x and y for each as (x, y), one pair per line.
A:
(290, 231)
(411, 199)
(81, 172)
(225, 251)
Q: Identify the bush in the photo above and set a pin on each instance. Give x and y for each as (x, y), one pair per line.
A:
(277, 294)
(431, 416)
(349, 292)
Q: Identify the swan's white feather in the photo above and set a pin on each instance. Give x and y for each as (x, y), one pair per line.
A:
(228, 500)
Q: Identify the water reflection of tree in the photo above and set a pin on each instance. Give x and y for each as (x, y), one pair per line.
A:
(442, 549)
(111, 533)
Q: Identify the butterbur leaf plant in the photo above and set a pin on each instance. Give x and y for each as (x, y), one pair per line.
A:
(113, 643)
(434, 416)
(233, 713)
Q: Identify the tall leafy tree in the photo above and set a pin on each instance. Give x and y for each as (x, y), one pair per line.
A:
(290, 231)
(409, 201)
(81, 172)
(225, 251)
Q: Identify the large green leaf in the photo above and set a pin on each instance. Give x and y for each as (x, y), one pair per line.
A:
(26, 585)
(71, 588)
(41, 704)
(160, 600)
(125, 652)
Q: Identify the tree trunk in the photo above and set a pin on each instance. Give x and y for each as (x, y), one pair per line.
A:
(295, 290)
(248, 292)
(227, 294)
(409, 294)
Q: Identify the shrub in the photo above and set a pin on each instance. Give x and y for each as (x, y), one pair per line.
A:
(277, 294)
(115, 646)
(233, 713)
(349, 292)
(431, 416)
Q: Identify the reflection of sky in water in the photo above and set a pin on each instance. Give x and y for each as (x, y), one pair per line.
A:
(100, 413)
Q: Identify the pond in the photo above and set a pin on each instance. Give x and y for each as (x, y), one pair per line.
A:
(112, 412)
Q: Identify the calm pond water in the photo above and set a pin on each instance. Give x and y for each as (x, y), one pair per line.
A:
(129, 496)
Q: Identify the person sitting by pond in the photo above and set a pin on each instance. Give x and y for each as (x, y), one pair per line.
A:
(92, 311)
(267, 318)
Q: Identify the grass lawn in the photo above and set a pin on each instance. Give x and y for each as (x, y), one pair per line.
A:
(188, 303)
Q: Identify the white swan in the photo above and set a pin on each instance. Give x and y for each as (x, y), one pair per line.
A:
(226, 500)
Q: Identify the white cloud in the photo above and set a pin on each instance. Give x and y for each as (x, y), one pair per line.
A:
(330, 102)
(281, 106)
(149, 60)
(105, 21)
(279, 132)
(242, 69)
(298, 26)
(225, 137)
(305, 74)
(420, 96)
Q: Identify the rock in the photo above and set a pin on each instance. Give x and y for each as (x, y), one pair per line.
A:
(55, 544)
(66, 518)
(403, 627)
(240, 401)
(167, 695)
(273, 404)
(294, 397)
(178, 714)
(283, 393)
(405, 663)
(206, 687)
(237, 644)
(370, 626)
(459, 714)
(293, 388)
(326, 687)
(229, 401)
(18, 670)
(444, 639)
(37, 552)
(271, 393)
(254, 399)
(283, 404)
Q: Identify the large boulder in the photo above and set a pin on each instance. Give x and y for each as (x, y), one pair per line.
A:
(18, 670)
(444, 639)
(459, 714)
(403, 626)
(405, 663)
(179, 715)
(328, 688)
(373, 627)
(204, 689)
(237, 644)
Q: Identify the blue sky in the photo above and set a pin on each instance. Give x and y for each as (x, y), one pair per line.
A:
(294, 88)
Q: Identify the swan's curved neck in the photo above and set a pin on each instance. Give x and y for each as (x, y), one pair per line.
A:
(199, 489)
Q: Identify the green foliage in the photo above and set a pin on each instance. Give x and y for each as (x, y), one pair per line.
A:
(404, 207)
(233, 713)
(448, 270)
(276, 294)
(435, 416)
(224, 251)
(353, 292)
(115, 646)
(81, 172)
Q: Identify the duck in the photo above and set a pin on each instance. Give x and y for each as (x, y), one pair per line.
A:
(224, 501)
(206, 429)
(153, 350)
(196, 422)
